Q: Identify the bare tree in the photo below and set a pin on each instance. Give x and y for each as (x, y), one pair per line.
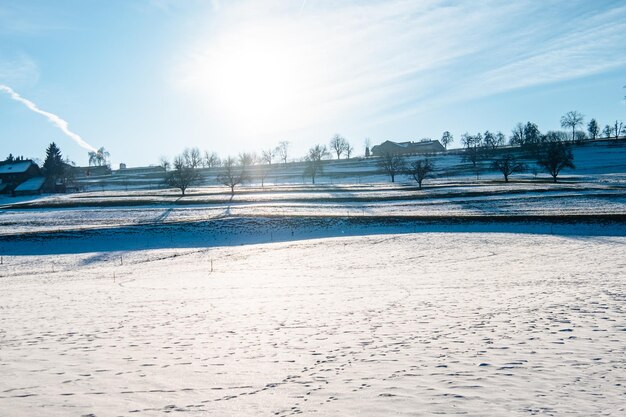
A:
(490, 140)
(508, 165)
(232, 174)
(500, 139)
(572, 119)
(282, 149)
(182, 176)
(419, 170)
(593, 129)
(532, 135)
(262, 173)
(99, 157)
(92, 158)
(267, 156)
(517, 135)
(471, 144)
(314, 164)
(554, 136)
(554, 157)
(617, 129)
(349, 150)
(211, 160)
(580, 136)
(338, 145)
(392, 164)
(246, 159)
(164, 163)
(192, 157)
(446, 139)
(607, 131)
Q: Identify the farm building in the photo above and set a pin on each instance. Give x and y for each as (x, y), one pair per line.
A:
(408, 148)
(13, 174)
(91, 171)
(139, 170)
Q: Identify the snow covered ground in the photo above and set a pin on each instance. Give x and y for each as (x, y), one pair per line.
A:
(478, 324)
(468, 297)
(484, 199)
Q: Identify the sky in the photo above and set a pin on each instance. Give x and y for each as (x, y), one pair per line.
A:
(148, 78)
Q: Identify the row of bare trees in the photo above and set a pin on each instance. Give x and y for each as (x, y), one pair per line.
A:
(233, 172)
(549, 151)
(194, 158)
(553, 158)
(394, 164)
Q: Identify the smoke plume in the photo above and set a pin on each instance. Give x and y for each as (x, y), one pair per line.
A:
(53, 118)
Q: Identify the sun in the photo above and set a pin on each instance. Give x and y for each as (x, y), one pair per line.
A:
(255, 77)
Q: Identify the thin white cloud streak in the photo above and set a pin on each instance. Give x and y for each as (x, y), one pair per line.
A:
(53, 118)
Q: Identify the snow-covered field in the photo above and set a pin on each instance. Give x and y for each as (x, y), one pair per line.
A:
(478, 324)
(484, 199)
(469, 297)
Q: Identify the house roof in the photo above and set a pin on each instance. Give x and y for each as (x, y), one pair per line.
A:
(15, 167)
(33, 184)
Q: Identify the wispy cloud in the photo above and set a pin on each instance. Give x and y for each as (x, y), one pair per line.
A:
(593, 45)
(24, 19)
(18, 68)
(379, 60)
(53, 118)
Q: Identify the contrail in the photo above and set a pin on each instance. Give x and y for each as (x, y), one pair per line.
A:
(56, 120)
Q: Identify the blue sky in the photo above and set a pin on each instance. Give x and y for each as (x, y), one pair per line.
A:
(146, 78)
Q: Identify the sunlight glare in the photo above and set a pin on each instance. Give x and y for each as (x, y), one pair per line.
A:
(255, 77)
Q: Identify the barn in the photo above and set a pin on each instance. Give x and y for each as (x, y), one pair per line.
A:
(408, 148)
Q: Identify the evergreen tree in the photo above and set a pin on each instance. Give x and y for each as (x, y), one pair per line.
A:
(53, 165)
(593, 129)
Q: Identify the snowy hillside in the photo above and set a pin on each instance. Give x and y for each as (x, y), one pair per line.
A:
(592, 158)
(479, 324)
(351, 297)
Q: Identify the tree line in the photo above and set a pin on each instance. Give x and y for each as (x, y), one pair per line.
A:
(549, 150)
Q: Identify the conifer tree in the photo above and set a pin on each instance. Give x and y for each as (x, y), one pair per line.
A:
(53, 166)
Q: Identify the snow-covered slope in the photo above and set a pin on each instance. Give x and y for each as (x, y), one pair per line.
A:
(417, 324)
